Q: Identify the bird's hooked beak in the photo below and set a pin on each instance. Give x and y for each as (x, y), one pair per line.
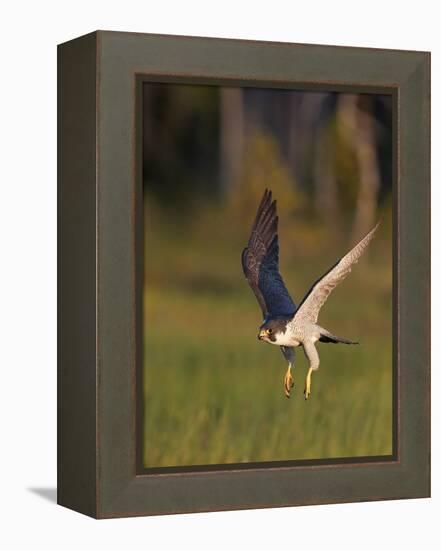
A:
(264, 333)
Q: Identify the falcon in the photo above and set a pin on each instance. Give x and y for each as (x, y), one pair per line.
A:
(285, 324)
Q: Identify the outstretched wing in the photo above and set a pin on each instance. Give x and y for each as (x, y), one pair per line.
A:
(260, 262)
(311, 304)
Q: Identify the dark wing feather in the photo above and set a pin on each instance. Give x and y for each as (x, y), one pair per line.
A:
(260, 262)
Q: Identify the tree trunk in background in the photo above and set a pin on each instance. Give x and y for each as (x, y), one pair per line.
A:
(231, 137)
(299, 138)
(359, 128)
(317, 113)
(325, 181)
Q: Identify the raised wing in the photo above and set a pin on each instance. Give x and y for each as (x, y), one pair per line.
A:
(260, 262)
(311, 304)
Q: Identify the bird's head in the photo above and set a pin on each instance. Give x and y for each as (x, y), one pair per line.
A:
(272, 331)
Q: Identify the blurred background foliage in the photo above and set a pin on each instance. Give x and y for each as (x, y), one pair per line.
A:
(213, 394)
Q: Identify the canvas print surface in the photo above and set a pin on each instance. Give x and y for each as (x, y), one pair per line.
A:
(267, 286)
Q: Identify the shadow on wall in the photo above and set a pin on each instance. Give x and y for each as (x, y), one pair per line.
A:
(48, 493)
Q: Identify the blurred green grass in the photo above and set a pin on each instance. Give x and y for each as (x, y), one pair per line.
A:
(212, 393)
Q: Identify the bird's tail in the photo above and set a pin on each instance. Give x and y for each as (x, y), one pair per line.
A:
(329, 338)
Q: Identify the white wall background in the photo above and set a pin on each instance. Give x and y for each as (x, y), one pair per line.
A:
(29, 34)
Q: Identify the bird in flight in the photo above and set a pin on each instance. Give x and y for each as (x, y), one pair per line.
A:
(285, 324)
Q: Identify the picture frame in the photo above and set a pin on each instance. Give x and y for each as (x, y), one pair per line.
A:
(99, 267)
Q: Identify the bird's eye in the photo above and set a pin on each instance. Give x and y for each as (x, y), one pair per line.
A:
(270, 331)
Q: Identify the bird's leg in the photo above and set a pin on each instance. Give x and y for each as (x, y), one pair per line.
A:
(307, 391)
(288, 383)
(314, 362)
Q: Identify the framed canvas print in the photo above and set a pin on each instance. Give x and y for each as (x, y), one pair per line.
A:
(244, 274)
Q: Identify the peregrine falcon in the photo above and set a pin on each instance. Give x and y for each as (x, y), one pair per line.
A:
(285, 324)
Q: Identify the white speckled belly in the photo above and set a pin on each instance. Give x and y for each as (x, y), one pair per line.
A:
(295, 334)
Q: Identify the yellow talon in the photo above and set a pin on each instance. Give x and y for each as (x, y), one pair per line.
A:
(288, 382)
(308, 384)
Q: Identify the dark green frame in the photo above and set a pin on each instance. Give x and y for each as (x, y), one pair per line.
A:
(99, 266)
